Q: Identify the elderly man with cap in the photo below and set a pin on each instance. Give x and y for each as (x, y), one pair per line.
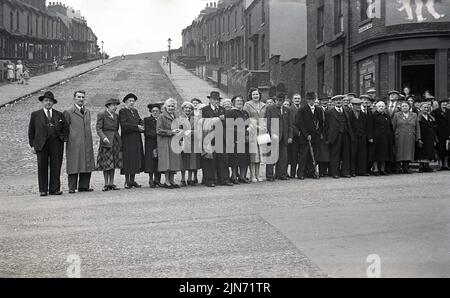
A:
(310, 123)
(109, 156)
(279, 126)
(362, 135)
(132, 126)
(338, 131)
(47, 133)
(372, 92)
(293, 149)
(393, 105)
(80, 148)
(214, 160)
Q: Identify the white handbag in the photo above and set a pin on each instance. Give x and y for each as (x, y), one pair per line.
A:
(264, 139)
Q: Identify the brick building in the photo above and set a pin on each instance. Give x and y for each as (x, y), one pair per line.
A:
(377, 44)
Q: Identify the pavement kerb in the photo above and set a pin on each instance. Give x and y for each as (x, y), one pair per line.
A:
(2, 105)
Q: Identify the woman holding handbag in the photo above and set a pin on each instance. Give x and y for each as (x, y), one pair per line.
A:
(256, 110)
(110, 150)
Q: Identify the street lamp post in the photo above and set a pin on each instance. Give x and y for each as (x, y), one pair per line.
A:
(170, 56)
(103, 53)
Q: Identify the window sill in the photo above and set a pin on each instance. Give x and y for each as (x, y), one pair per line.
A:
(263, 24)
(365, 22)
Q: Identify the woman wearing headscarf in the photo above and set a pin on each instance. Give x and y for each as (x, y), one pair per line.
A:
(189, 156)
(442, 116)
(407, 133)
(426, 146)
(132, 126)
(151, 145)
(382, 148)
(110, 149)
(169, 161)
(256, 110)
(239, 159)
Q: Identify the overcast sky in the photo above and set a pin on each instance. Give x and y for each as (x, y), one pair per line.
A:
(137, 26)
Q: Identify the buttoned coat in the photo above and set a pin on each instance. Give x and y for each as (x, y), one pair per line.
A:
(168, 160)
(407, 133)
(80, 147)
(132, 147)
(108, 127)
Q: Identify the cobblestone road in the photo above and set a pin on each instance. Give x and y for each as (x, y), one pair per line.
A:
(141, 75)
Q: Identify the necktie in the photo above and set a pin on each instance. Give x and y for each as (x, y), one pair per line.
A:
(82, 110)
(49, 117)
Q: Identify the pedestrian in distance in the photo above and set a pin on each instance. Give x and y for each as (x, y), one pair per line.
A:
(109, 156)
(79, 149)
(47, 133)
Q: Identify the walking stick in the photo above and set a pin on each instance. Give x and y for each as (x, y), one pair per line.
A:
(316, 166)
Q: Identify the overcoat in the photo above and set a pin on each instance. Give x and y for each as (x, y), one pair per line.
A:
(191, 157)
(151, 145)
(428, 137)
(132, 147)
(257, 115)
(168, 160)
(407, 133)
(443, 131)
(108, 127)
(382, 148)
(79, 148)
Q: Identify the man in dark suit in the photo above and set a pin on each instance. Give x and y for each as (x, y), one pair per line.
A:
(47, 133)
(339, 135)
(279, 126)
(293, 149)
(362, 135)
(215, 164)
(366, 109)
(310, 123)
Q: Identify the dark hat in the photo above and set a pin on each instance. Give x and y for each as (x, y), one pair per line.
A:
(48, 95)
(128, 96)
(324, 98)
(151, 106)
(112, 101)
(214, 95)
(281, 96)
(393, 92)
(356, 101)
(365, 96)
(351, 94)
(310, 96)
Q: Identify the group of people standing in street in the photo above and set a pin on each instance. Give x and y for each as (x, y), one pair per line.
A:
(342, 136)
(17, 73)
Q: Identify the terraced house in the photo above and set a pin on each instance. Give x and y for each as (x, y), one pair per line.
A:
(36, 33)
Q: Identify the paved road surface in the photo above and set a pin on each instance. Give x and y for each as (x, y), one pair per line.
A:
(286, 229)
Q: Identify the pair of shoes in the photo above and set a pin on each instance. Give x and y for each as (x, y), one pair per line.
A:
(183, 184)
(383, 173)
(71, 191)
(244, 181)
(175, 186)
(301, 177)
(270, 179)
(167, 186)
(113, 187)
(159, 184)
(106, 188)
(134, 184)
(56, 193)
(195, 181)
(152, 185)
(336, 177)
(43, 194)
(282, 178)
(376, 174)
(365, 174)
(191, 183)
(353, 175)
(235, 181)
(428, 170)
(85, 190)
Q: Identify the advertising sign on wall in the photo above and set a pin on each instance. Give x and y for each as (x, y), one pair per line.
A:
(416, 11)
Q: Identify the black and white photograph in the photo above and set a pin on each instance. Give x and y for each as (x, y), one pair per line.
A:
(224, 139)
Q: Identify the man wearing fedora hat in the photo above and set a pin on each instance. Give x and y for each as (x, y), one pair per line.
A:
(215, 164)
(80, 148)
(47, 133)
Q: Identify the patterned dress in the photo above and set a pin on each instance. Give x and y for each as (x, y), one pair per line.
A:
(109, 155)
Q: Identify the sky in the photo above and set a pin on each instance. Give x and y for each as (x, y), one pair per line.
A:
(137, 26)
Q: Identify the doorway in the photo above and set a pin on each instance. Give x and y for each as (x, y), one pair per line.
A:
(419, 78)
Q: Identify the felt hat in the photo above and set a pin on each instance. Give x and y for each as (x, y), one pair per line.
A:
(337, 97)
(128, 96)
(310, 96)
(112, 101)
(151, 106)
(394, 92)
(214, 95)
(48, 95)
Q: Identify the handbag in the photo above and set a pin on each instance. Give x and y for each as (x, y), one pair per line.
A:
(264, 139)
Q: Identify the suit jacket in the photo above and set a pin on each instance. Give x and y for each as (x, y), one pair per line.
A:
(332, 125)
(362, 122)
(209, 113)
(38, 128)
(108, 127)
(396, 109)
(285, 125)
(294, 116)
(309, 124)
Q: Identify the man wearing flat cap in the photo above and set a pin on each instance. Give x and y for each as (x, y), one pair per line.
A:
(338, 131)
(393, 104)
(80, 148)
(362, 133)
(47, 133)
(215, 164)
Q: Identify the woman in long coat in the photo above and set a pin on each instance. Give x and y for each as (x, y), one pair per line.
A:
(109, 155)
(256, 109)
(382, 148)
(426, 152)
(151, 146)
(190, 156)
(442, 116)
(169, 161)
(239, 160)
(132, 126)
(407, 133)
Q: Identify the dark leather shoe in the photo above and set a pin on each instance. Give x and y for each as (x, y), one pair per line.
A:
(58, 193)
(283, 178)
(183, 184)
(167, 186)
(175, 186)
(85, 190)
(301, 178)
(71, 191)
(227, 184)
(106, 188)
(270, 179)
(159, 184)
(210, 185)
(134, 184)
(113, 187)
(128, 186)
(43, 194)
(347, 176)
